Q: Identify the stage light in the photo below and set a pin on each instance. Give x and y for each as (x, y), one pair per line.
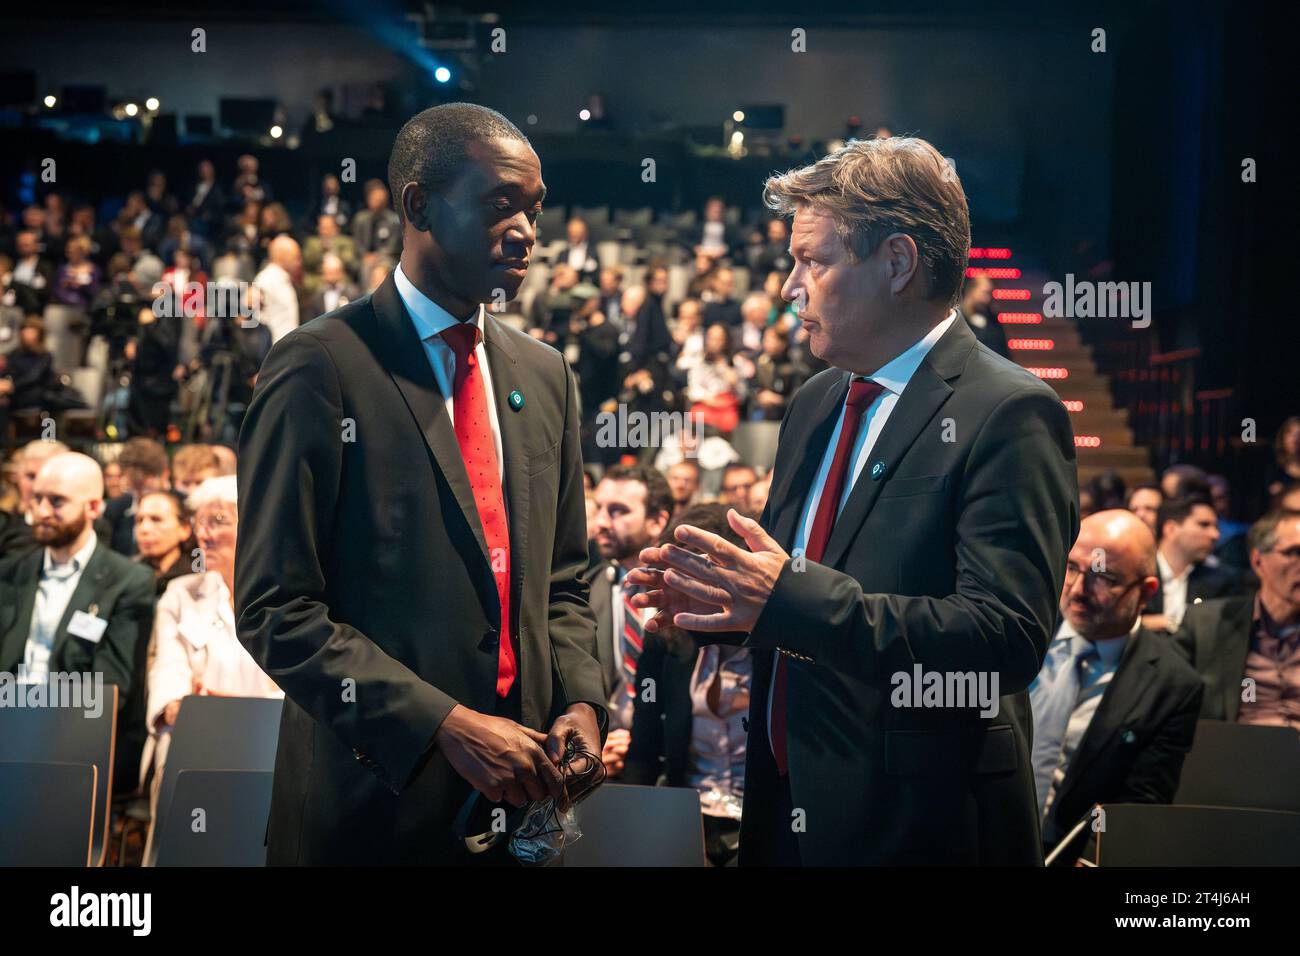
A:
(1018, 294)
(738, 116)
(1072, 404)
(151, 103)
(51, 101)
(981, 252)
(442, 74)
(1051, 372)
(1087, 441)
(584, 115)
(130, 109)
(532, 119)
(276, 132)
(1031, 345)
(1020, 318)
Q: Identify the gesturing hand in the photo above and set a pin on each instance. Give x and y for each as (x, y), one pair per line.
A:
(725, 588)
(499, 758)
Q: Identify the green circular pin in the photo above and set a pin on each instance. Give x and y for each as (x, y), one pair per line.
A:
(516, 399)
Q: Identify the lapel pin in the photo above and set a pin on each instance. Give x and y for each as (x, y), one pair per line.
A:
(516, 399)
(1129, 737)
(877, 470)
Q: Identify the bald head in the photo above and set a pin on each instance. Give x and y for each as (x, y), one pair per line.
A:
(72, 474)
(1124, 537)
(1110, 574)
(67, 497)
(284, 252)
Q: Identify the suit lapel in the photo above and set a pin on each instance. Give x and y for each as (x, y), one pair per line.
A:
(25, 578)
(927, 390)
(810, 437)
(88, 587)
(1233, 649)
(1129, 688)
(402, 354)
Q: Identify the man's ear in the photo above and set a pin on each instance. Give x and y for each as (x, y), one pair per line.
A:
(901, 260)
(416, 207)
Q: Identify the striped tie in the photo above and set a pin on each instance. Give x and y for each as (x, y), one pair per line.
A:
(633, 640)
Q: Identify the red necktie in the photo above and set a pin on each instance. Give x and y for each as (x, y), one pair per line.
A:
(861, 394)
(477, 447)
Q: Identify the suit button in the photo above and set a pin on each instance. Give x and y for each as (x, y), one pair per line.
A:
(489, 642)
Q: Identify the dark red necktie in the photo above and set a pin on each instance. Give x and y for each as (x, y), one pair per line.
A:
(474, 436)
(861, 394)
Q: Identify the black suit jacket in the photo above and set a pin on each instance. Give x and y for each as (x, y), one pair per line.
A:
(947, 554)
(1133, 750)
(1203, 584)
(362, 564)
(122, 592)
(1215, 640)
(661, 728)
(601, 580)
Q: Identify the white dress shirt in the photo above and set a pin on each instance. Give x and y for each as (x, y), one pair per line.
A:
(894, 376)
(1174, 588)
(279, 306)
(54, 589)
(430, 320)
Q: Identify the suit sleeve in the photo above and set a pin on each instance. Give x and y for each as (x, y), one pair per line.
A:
(1154, 775)
(290, 463)
(1017, 517)
(576, 673)
(128, 628)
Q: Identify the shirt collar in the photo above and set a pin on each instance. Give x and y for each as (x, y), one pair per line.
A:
(1167, 573)
(1109, 650)
(898, 371)
(78, 560)
(430, 319)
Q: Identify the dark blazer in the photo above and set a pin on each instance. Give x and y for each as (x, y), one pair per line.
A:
(122, 593)
(1203, 584)
(661, 728)
(1215, 640)
(116, 525)
(601, 579)
(1133, 750)
(362, 560)
(947, 554)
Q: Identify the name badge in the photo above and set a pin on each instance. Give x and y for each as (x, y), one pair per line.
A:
(87, 626)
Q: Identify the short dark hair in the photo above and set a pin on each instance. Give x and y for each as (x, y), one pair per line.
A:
(143, 454)
(1179, 510)
(177, 500)
(432, 147)
(1190, 480)
(658, 496)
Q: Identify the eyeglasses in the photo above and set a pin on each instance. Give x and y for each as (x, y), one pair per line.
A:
(1096, 580)
(214, 522)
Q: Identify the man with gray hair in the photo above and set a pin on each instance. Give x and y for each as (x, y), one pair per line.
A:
(923, 500)
(1247, 648)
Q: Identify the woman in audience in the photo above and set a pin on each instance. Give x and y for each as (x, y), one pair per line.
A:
(77, 280)
(714, 387)
(162, 533)
(688, 336)
(195, 649)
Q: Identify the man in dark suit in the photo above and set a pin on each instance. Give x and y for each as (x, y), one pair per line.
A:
(1188, 529)
(1243, 646)
(413, 528)
(1115, 705)
(633, 506)
(950, 501)
(73, 605)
